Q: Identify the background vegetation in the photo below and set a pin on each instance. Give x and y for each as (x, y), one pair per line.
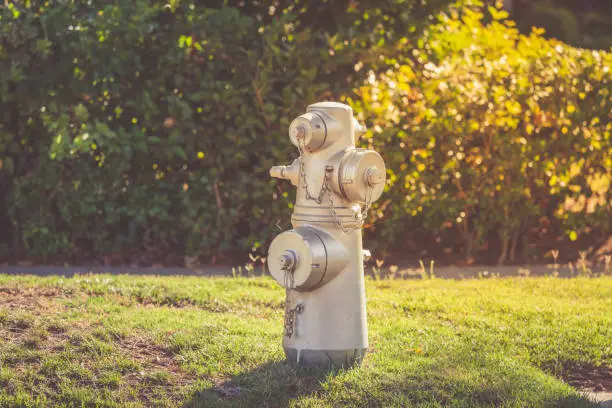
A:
(143, 132)
(585, 23)
(493, 136)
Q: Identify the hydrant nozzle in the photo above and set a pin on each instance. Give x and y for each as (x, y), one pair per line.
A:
(286, 172)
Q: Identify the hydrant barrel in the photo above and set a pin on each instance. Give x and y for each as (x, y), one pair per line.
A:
(320, 261)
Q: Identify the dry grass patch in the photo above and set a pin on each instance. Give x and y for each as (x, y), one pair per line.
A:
(68, 362)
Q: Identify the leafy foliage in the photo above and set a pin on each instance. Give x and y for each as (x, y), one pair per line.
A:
(131, 127)
(138, 130)
(488, 132)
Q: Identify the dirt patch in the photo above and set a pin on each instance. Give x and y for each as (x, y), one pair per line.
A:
(25, 318)
(31, 335)
(226, 389)
(151, 356)
(34, 300)
(159, 371)
(590, 378)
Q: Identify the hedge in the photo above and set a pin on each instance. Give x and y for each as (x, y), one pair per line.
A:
(138, 132)
(142, 131)
(493, 139)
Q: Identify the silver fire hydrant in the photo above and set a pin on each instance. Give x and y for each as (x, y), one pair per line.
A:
(320, 261)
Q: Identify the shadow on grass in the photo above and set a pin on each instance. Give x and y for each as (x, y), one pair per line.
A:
(274, 384)
(277, 384)
(435, 382)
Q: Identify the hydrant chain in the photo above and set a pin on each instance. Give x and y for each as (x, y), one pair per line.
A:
(291, 318)
(336, 219)
(324, 187)
(289, 263)
(359, 218)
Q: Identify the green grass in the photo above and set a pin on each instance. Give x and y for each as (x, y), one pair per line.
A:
(130, 341)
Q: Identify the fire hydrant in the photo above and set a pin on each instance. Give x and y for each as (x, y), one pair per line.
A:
(320, 261)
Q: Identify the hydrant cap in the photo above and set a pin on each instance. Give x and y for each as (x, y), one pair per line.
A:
(297, 259)
(362, 175)
(308, 131)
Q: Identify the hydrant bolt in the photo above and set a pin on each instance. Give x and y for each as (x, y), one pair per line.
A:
(287, 260)
(299, 132)
(374, 176)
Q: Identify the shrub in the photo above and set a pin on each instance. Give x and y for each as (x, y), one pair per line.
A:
(133, 128)
(493, 136)
(139, 130)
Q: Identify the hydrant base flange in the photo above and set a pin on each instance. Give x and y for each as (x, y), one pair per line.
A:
(325, 358)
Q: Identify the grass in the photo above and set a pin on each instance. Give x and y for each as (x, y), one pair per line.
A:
(131, 341)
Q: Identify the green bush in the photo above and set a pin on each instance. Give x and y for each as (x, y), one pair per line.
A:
(145, 131)
(493, 137)
(139, 129)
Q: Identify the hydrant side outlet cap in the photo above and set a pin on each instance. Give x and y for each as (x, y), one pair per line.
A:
(308, 131)
(362, 175)
(310, 259)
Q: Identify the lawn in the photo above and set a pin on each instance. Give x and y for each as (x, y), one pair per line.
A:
(130, 341)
